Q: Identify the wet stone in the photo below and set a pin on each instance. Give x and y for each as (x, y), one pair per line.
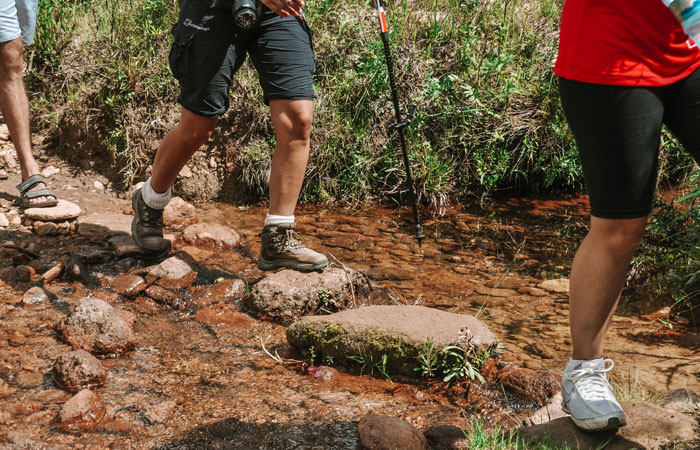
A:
(81, 413)
(5, 389)
(547, 413)
(62, 211)
(35, 296)
(92, 254)
(378, 432)
(211, 235)
(494, 292)
(179, 214)
(559, 286)
(27, 378)
(16, 339)
(53, 273)
(95, 326)
(529, 290)
(322, 373)
(173, 270)
(128, 285)
(535, 385)
(227, 291)
(223, 315)
(540, 349)
(45, 228)
(288, 294)
(78, 369)
(25, 273)
(158, 413)
(75, 269)
(164, 295)
(125, 245)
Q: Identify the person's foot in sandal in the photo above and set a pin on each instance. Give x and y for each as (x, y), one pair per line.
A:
(34, 193)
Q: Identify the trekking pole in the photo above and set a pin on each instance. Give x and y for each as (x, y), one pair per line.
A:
(400, 124)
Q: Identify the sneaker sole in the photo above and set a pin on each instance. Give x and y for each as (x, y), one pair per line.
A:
(146, 250)
(301, 267)
(608, 422)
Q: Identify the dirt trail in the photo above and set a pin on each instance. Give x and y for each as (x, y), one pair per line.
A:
(207, 369)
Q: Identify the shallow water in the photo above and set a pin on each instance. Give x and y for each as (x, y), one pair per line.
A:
(199, 377)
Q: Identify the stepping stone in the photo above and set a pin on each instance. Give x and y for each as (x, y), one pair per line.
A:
(288, 294)
(648, 427)
(399, 333)
(102, 226)
(64, 210)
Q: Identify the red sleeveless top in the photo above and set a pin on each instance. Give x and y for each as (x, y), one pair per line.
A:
(623, 42)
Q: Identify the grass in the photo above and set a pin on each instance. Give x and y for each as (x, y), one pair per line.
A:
(480, 74)
(498, 439)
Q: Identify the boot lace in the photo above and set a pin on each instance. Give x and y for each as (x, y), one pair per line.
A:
(151, 217)
(591, 382)
(288, 241)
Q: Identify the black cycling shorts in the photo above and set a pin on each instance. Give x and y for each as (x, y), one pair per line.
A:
(208, 49)
(617, 131)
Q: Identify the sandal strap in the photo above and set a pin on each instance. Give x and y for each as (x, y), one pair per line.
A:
(44, 192)
(30, 182)
(2, 166)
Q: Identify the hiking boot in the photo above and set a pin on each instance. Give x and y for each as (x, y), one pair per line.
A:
(588, 397)
(282, 247)
(147, 225)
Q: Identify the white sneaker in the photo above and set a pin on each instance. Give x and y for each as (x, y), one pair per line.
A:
(588, 398)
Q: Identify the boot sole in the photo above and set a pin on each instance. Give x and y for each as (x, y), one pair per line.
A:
(608, 422)
(301, 267)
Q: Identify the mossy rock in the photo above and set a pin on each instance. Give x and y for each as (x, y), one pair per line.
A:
(391, 336)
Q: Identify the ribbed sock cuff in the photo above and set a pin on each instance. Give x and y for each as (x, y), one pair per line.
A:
(153, 198)
(271, 219)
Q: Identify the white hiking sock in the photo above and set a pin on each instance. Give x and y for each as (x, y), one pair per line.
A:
(271, 219)
(153, 198)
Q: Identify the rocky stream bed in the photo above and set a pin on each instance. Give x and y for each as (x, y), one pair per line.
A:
(101, 347)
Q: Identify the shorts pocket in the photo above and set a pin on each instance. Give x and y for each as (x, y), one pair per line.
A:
(179, 56)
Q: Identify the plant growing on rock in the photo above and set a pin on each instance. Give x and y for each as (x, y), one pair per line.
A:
(452, 362)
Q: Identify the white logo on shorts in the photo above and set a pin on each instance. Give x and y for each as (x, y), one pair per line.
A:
(188, 23)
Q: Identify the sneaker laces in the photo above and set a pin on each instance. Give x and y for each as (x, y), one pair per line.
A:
(591, 382)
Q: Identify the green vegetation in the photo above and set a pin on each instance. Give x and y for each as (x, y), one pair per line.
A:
(497, 439)
(451, 362)
(480, 73)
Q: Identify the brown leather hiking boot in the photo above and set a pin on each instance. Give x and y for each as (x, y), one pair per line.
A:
(282, 247)
(147, 226)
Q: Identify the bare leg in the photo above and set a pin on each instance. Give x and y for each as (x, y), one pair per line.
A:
(178, 146)
(15, 107)
(292, 121)
(597, 277)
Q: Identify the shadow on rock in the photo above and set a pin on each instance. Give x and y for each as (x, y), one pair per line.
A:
(234, 434)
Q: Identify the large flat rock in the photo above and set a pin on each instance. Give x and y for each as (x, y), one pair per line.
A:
(648, 427)
(104, 226)
(398, 332)
(64, 210)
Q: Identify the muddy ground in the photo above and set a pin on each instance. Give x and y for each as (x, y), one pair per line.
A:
(199, 377)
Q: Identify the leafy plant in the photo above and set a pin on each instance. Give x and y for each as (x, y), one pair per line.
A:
(457, 365)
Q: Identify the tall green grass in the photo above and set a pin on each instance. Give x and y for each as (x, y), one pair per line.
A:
(488, 117)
